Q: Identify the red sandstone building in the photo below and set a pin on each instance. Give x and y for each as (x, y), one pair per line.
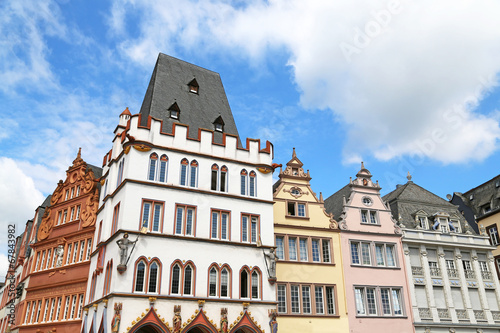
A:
(57, 268)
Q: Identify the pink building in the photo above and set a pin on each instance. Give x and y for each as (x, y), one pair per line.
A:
(377, 292)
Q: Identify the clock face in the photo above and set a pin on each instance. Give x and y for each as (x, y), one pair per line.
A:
(367, 201)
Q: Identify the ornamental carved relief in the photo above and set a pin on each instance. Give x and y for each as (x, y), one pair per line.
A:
(296, 192)
(89, 214)
(77, 175)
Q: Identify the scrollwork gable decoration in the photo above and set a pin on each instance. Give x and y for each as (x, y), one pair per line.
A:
(46, 225)
(296, 192)
(89, 214)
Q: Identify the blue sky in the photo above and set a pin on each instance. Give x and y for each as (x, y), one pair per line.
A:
(402, 85)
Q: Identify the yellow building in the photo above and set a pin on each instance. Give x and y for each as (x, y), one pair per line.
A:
(310, 282)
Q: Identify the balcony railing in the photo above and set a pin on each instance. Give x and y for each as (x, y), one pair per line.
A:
(479, 314)
(496, 315)
(486, 275)
(417, 270)
(444, 314)
(469, 274)
(452, 272)
(435, 271)
(462, 314)
(425, 313)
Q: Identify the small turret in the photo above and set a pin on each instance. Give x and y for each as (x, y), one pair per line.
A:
(124, 117)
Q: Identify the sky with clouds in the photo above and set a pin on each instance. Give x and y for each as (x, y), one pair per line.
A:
(403, 85)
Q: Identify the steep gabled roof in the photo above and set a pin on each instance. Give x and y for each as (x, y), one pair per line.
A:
(170, 84)
(335, 203)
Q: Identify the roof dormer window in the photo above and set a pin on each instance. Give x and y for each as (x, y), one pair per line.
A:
(174, 111)
(193, 86)
(219, 124)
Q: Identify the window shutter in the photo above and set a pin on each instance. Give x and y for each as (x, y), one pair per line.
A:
(415, 257)
(474, 299)
(439, 298)
(458, 301)
(421, 297)
(492, 300)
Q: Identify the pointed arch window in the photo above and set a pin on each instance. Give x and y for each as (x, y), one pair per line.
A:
(252, 184)
(153, 277)
(243, 182)
(153, 160)
(184, 171)
(140, 276)
(255, 284)
(224, 282)
(215, 176)
(162, 171)
(176, 276)
(193, 179)
(212, 282)
(188, 280)
(244, 284)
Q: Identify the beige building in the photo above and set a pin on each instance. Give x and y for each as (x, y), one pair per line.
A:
(310, 282)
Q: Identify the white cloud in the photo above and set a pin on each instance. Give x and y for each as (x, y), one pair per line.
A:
(4, 266)
(390, 70)
(18, 200)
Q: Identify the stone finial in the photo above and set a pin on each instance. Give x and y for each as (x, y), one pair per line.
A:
(362, 165)
(409, 176)
(294, 154)
(320, 196)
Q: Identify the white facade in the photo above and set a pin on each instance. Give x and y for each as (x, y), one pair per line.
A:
(453, 282)
(125, 197)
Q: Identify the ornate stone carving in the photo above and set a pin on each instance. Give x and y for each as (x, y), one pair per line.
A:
(458, 256)
(142, 147)
(423, 253)
(223, 320)
(273, 323)
(296, 192)
(177, 320)
(46, 225)
(115, 322)
(88, 215)
(407, 252)
(441, 255)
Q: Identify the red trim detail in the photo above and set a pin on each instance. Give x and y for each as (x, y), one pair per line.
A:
(247, 323)
(151, 319)
(202, 322)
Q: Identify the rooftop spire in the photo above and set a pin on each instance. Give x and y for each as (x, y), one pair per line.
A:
(409, 176)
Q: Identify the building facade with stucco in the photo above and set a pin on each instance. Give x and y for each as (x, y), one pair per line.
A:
(310, 279)
(377, 292)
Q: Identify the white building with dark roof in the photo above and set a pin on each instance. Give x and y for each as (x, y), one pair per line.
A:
(450, 267)
(197, 207)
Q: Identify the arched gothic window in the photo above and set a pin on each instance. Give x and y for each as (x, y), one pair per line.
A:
(153, 160)
(140, 276)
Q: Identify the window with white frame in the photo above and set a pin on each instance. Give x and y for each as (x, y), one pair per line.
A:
(303, 248)
(157, 170)
(248, 183)
(185, 220)
(493, 234)
(152, 214)
(280, 249)
(120, 172)
(296, 209)
(189, 173)
(306, 299)
(369, 217)
(422, 222)
(220, 225)
(361, 254)
(249, 228)
(219, 178)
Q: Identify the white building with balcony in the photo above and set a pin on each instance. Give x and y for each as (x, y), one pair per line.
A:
(450, 267)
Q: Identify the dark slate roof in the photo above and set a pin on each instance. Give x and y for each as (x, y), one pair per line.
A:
(169, 85)
(484, 194)
(46, 202)
(96, 170)
(335, 203)
(408, 199)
